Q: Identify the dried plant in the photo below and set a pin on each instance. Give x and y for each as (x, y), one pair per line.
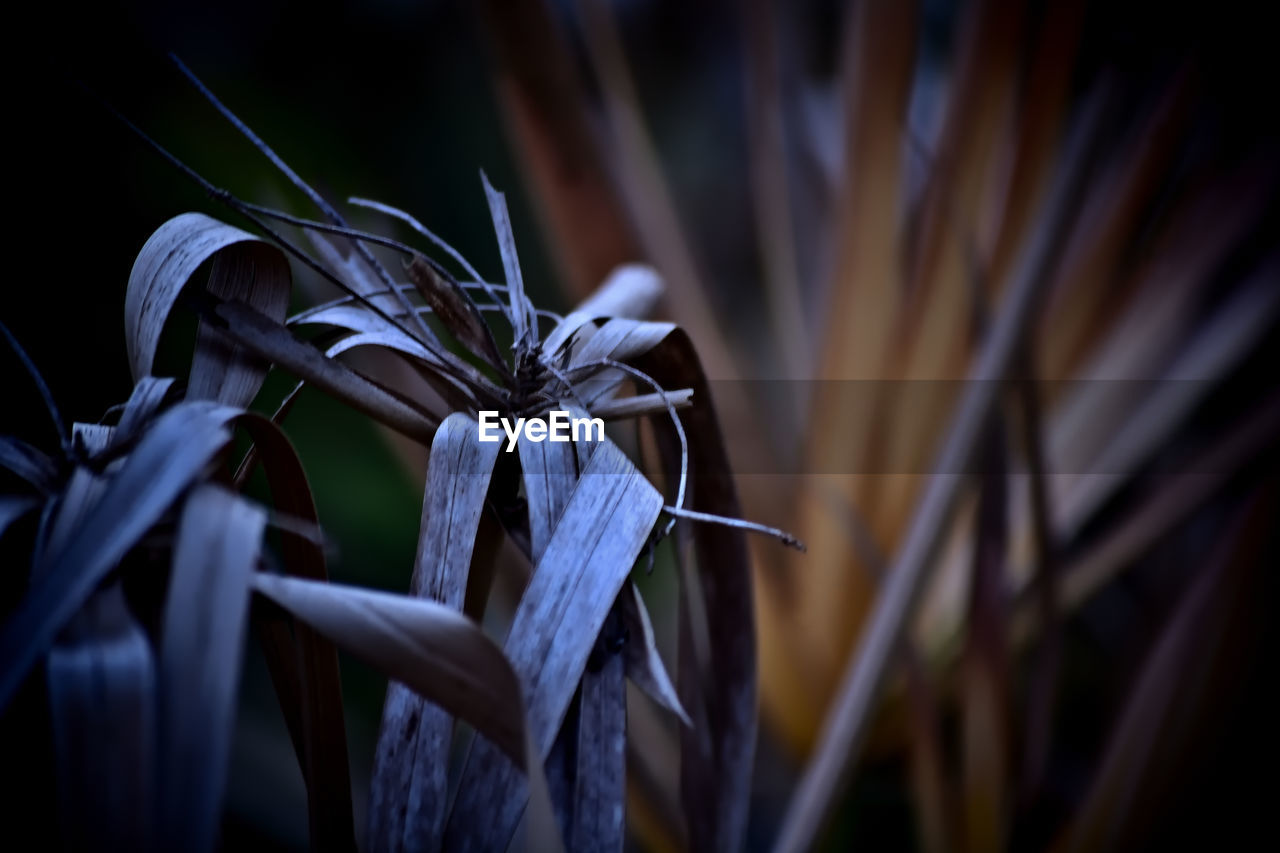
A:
(1016, 299)
(149, 559)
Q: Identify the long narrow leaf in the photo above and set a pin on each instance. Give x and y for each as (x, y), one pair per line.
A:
(163, 465)
(408, 790)
(604, 526)
(205, 616)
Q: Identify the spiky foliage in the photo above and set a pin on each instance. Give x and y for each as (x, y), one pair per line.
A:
(150, 560)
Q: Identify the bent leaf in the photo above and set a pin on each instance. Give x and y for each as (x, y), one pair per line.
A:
(440, 654)
(244, 269)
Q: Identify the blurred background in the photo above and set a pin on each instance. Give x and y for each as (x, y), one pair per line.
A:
(839, 196)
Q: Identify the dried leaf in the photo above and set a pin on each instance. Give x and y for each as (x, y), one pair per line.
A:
(456, 310)
(438, 652)
(717, 681)
(408, 793)
(102, 696)
(717, 753)
(102, 700)
(219, 541)
(302, 663)
(523, 318)
(276, 343)
(604, 526)
(166, 461)
(598, 817)
(644, 665)
(244, 269)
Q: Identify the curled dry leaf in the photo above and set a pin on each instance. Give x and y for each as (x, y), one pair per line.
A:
(717, 753)
(101, 674)
(716, 680)
(244, 269)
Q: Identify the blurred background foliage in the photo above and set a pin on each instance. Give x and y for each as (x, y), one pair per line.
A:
(395, 100)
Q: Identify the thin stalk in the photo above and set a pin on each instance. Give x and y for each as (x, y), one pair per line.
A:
(46, 395)
(327, 209)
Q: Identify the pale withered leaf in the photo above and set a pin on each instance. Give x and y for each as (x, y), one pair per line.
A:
(408, 789)
(604, 526)
(244, 268)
